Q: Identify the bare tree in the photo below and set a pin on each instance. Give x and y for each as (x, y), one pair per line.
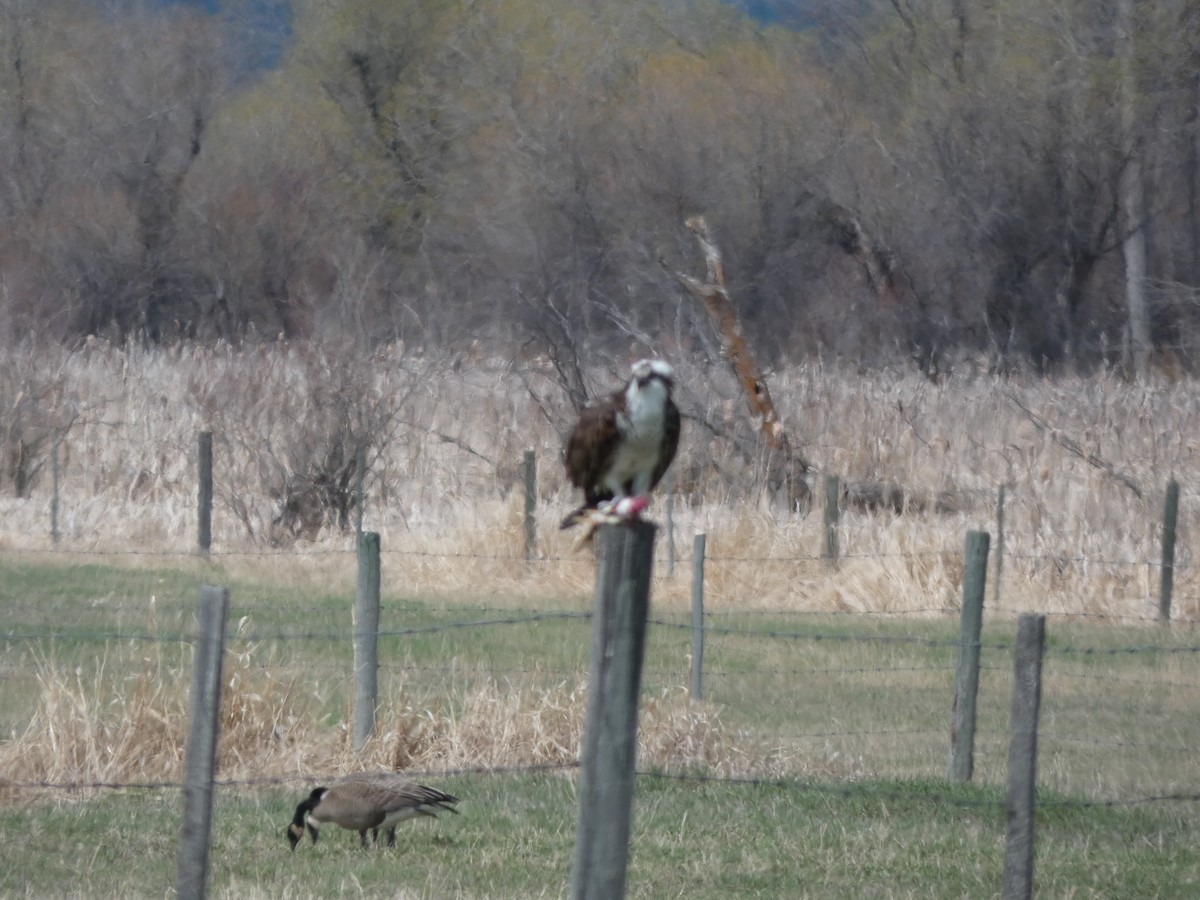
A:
(1132, 193)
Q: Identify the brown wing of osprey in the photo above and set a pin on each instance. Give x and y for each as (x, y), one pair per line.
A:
(590, 449)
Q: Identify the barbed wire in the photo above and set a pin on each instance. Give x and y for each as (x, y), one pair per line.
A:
(821, 558)
(119, 636)
(1116, 743)
(827, 670)
(346, 671)
(1118, 679)
(1065, 803)
(856, 789)
(167, 605)
(1062, 560)
(815, 637)
(866, 732)
(581, 671)
(1058, 559)
(268, 780)
(1149, 618)
(268, 637)
(581, 616)
(1069, 650)
(186, 606)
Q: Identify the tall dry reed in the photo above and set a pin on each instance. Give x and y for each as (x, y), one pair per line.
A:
(114, 728)
(445, 437)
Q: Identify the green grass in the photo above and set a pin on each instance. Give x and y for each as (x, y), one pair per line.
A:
(855, 708)
(514, 839)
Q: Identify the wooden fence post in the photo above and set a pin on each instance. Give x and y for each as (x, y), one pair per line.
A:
(999, 545)
(697, 688)
(530, 470)
(833, 495)
(203, 726)
(1166, 582)
(671, 532)
(366, 639)
(206, 493)
(966, 674)
(624, 558)
(1022, 758)
(54, 487)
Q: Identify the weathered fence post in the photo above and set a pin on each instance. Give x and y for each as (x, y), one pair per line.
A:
(366, 639)
(671, 531)
(54, 488)
(833, 494)
(624, 558)
(697, 687)
(206, 493)
(999, 545)
(530, 470)
(966, 674)
(1022, 758)
(1166, 582)
(203, 726)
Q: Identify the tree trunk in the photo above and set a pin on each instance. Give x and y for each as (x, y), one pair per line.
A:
(1132, 198)
(786, 466)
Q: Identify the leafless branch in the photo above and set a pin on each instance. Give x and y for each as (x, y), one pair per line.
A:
(1073, 446)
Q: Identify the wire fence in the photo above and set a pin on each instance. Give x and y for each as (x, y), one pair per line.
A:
(854, 696)
(835, 706)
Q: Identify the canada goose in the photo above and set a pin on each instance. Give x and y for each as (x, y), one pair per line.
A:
(359, 802)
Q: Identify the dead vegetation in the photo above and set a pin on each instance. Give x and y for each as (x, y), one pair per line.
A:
(443, 436)
(119, 726)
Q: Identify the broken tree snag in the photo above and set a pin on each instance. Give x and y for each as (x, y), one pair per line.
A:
(787, 466)
(847, 232)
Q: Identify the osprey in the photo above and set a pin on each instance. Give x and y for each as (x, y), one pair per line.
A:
(621, 447)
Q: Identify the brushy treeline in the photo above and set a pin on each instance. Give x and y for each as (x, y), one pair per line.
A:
(883, 181)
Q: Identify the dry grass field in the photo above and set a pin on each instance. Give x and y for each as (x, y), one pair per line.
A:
(445, 441)
(827, 675)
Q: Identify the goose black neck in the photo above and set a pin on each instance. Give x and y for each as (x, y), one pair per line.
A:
(305, 807)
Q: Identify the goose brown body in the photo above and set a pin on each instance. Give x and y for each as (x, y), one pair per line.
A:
(367, 802)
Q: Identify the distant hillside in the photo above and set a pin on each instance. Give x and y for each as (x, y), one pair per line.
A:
(265, 26)
(794, 13)
(262, 28)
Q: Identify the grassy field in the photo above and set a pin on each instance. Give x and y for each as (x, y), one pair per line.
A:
(513, 839)
(813, 769)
